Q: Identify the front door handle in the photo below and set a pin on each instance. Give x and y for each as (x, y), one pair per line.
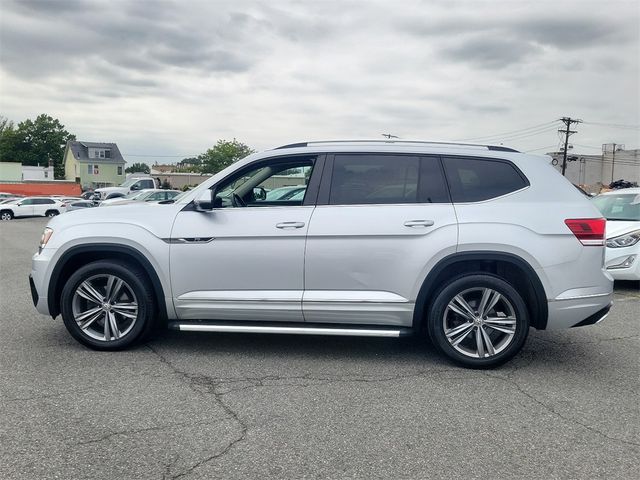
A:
(290, 225)
(419, 223)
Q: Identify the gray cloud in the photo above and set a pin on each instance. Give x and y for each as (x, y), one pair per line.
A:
(161, 72)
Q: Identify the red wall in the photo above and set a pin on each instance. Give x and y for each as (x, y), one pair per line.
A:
(28, 189)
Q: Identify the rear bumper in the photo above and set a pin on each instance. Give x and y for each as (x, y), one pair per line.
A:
(597, 317)
(580, 311)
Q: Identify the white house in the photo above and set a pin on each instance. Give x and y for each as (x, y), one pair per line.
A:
(37, 173)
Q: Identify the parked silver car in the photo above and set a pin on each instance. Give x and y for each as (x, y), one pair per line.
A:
(469, 244)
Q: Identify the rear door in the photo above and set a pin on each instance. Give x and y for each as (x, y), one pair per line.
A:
(381, 222)
(42, 205)
(24, 208)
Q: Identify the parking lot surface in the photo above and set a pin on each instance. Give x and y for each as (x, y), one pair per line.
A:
(247, 406)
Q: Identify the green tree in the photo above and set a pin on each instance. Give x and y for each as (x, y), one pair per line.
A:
(36, 142)
(223, 154)
(10, 143)
(138, 168)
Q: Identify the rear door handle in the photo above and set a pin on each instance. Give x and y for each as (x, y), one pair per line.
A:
(290, 225)
(419, 223)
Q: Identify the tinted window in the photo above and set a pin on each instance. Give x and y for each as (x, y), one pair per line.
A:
(385, 179)
(476, 179)
(374, 179)
(28, 201)
(42, 201)
(147, 184)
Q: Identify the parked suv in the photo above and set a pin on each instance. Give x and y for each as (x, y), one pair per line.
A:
(470, 245)
(31, 207)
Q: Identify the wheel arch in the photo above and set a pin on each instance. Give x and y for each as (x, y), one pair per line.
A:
(80, 255)
(508, 266)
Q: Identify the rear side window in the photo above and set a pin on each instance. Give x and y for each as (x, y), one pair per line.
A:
(477, 179)
(386, 179)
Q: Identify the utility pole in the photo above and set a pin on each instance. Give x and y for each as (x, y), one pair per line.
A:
(567, 132)
(613, 161)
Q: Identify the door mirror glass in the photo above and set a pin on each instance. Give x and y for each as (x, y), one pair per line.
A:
(259, 193)
(205, 201)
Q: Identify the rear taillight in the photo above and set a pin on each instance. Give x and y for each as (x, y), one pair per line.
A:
(590, 231)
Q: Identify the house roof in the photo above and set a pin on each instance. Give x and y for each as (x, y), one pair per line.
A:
(80, 151)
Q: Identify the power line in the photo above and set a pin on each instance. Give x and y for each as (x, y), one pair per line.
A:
(533, 127)
(159, 156)
(541, 148)
(614, 125)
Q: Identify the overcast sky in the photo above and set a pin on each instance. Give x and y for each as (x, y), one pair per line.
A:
(170, 78)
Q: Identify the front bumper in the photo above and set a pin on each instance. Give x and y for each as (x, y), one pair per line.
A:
(38, 281)
(623, 263)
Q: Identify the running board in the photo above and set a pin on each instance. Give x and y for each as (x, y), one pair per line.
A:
(289, 330)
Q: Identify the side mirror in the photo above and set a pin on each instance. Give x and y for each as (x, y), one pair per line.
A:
(259, 193)
(135, 186)
(205, 202)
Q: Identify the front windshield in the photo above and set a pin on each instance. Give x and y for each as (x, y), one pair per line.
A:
(621, 206)
(132, 195)
(129, 182)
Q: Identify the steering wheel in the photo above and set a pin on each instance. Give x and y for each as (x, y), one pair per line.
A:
(237, 200)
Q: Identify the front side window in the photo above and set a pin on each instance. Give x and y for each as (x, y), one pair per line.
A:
(27, 201)
(477, 179)
(273, 183)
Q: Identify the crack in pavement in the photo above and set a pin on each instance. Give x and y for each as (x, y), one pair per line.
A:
(556, 413)
(146, 429)
(192, 382)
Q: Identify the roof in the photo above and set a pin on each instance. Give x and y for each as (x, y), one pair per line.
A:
(80, 151)
(498, 148)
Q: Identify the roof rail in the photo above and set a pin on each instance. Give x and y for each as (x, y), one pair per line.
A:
(497, 148)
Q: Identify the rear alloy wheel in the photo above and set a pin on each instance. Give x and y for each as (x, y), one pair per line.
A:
(479, 321)
(107, 306)
(6, 215)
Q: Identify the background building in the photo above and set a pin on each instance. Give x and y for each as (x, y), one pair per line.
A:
(94, 164)
(37, 173)
(594, 171)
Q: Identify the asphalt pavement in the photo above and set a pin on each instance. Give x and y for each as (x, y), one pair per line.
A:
(249, 406)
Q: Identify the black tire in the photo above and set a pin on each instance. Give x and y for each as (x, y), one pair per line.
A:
(136, 282)
(6, 215)
(472, 286)
(52, 213)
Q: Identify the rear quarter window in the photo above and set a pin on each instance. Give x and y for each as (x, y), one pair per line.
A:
(477, 179)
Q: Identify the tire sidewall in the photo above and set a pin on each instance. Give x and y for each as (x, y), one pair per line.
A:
(132, 277)
(459, 284)
(7, 213)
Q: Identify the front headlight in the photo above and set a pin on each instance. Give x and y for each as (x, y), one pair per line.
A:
(625, 240)
(46, 235)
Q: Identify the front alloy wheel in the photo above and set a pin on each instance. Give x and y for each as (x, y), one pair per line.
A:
(108, 305)
(105, 307)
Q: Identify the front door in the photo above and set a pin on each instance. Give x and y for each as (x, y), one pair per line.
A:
(244, 260)
(380, 222)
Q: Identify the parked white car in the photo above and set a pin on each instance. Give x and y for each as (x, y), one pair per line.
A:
(621, 208)
(150, 195)
(134, 184)
(31, 207)
(471, 245)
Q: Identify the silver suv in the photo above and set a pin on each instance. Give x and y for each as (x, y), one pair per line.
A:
(471, 245)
